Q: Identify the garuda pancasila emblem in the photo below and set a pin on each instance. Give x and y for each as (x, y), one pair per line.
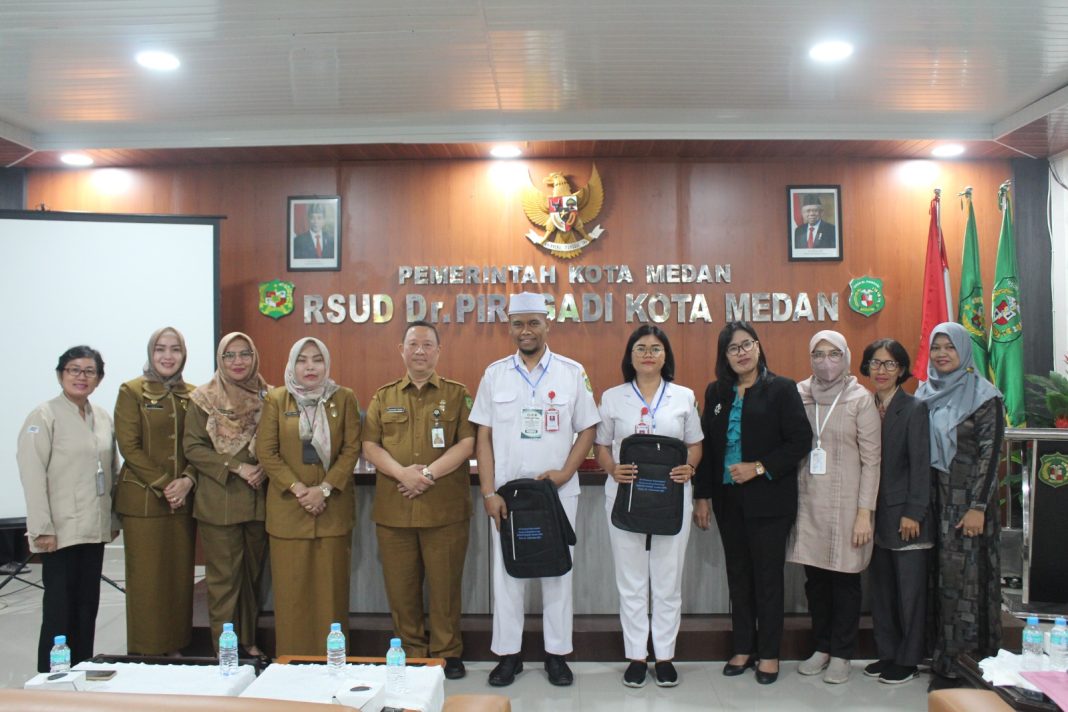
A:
(564, 214)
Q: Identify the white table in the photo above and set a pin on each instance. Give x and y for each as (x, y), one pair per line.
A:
(169, 679)
(317, 683)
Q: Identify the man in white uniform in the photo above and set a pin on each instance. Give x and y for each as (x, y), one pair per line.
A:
(529, 409)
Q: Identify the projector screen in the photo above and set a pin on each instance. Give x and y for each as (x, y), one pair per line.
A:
(107, 281)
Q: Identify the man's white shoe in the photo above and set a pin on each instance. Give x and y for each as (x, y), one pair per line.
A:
(815, 664)
(837, 671)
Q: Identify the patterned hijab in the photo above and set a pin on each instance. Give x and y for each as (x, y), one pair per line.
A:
(314, 425)
(952, 397)
(829, 379)
(233, 407)
(174, 382)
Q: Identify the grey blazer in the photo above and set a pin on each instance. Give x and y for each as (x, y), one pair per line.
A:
(905, 482)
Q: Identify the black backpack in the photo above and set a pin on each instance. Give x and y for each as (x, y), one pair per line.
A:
(652, 504)
(536, 535)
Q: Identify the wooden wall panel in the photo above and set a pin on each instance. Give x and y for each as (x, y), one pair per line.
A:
(467, 212)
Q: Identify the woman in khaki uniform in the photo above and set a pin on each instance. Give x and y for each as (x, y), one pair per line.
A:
(152, 498)
(308, 442)
(229, 506)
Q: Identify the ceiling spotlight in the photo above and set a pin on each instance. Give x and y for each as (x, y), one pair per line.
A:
(832, 51)
(159, 61)
(76, 159)
(947, 150)
(505, 151)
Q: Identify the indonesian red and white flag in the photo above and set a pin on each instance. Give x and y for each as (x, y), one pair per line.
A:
(935, 288)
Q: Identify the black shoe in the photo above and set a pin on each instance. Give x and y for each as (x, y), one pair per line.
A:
(635, 674)
(735, 670)
(454, 668)
(896, 674)
(766, 678)
(876, 668)
(559, 673)
(506, 670)
(664, 674)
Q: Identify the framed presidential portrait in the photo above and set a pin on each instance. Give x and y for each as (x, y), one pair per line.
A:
(814, 216)
(313, 233)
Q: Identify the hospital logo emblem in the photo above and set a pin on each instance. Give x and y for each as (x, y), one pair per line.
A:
(276, 298)
(866, 295)
(1054, 470)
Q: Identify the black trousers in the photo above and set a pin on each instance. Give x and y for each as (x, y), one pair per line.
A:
(71, 579)
(834, 604)
(755, 552)
(899, 604)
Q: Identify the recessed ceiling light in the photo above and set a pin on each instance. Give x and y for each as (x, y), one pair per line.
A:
(505, 151)
(159, 61)
(76, 159)
(947, 150)
(832, 51)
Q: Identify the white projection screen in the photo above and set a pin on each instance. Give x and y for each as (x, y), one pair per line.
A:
(107, 281)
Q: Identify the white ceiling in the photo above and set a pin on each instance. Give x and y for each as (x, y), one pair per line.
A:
(267, 72)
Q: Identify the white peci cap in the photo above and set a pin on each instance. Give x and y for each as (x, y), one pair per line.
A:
(527, 303)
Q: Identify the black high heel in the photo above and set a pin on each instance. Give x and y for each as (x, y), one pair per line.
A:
(735, 670)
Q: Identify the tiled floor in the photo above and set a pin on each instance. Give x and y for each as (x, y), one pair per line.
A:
(597, 686)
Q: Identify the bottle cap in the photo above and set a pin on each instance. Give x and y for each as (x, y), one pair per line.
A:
(335, 627)
(228, 627)
(394, 642)
(59, 640)
(1032, 620)
(1059, 620)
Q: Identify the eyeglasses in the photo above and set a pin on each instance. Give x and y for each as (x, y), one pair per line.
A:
(231, 355)
(651, 350)
(741, 348)
(890, 366)
(75, 372)
(832, 356)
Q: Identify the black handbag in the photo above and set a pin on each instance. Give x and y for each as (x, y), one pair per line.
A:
(536, 536)
(652, 504)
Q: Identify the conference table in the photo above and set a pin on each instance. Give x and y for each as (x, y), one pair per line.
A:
(149, 679)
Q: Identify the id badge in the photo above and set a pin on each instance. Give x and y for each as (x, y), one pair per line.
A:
(307, 453)
(817, 461)
(532, 424)
(437, 437)
(642, 428)
(552, 419)
(100, 491)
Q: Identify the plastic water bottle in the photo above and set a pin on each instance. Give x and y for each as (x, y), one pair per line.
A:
(228, 651)
(1032, 645)
(396, 672)
(59, 658)
(335, 649)
(1058, 645)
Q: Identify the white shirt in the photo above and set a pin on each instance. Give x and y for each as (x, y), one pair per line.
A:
(508, 389)
(621, 410)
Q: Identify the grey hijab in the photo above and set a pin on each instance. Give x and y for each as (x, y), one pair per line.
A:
(952, 397)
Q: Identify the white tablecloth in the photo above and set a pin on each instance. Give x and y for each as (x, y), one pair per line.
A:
(316, 683)
(169, 679)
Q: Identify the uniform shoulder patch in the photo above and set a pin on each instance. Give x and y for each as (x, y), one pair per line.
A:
(586, 380)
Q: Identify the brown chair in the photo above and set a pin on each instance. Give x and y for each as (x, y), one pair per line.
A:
(962, 700)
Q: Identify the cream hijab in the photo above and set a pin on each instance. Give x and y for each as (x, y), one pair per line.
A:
(828, 379)
(233, 407)
(314, 425)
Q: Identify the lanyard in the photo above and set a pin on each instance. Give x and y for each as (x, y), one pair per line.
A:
(820, 426)
(523, 374)
(652, 410)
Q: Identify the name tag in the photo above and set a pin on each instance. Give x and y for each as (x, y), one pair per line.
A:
(396, 409)
(532, 420)
(292, 414)
(437, 437)
(817, 461)
(153, 406)
(552, 419)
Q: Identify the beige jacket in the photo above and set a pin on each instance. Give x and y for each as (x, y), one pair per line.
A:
(827, 504)
(58, 456)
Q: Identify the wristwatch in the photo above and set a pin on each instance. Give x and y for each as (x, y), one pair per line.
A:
(760, 468)
(326, 490)
(428, 474)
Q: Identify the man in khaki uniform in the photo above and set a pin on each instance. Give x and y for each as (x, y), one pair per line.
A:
(417, 436)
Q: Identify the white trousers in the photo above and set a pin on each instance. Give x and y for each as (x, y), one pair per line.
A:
(635, 569)
(508, 602)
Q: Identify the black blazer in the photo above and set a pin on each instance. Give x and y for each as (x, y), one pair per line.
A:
(905, 479)
(775, 431)
(824, 237)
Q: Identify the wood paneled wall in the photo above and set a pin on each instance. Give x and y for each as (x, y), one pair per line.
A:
(457, 212)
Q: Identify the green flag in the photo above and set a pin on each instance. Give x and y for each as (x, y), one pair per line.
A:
(970, 309)
(1006, 328)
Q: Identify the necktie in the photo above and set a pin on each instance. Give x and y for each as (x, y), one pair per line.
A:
(319, 244)
(811, 239)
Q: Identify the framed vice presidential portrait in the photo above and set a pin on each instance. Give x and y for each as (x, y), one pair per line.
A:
(814, 216)
(313, 233)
